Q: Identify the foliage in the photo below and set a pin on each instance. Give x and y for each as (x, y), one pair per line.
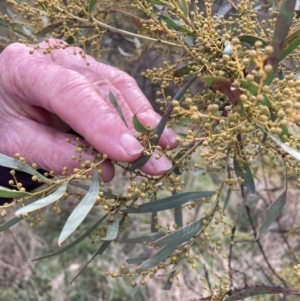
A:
(237, 82)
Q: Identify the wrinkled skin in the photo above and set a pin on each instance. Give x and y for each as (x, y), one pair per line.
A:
(43, 96)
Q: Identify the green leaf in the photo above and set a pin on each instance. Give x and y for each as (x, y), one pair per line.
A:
(9, 162)
(224, 86)
(290, 44)
(250, 86)
(161, 255)
(158, 2)
(285, 131)
(272, 214)
(184, 70)
(266, 102)
(246, 175)
(172, 24)
(177, 213)
(178, 216)
(117, 106)
(227, 198)
(170, 281)
(8, 193)
(162, 124)
(76, 241)
(257, 291)
(10, 223)
(138, 126)
(180, 236)
(43, 4)
(253, 201)
(141, 239)
(282, 26)
(136, 260)
(49, 28)
(169, 202)
(294, 153)
(53, 197)
(113, 227)
(252, 39)
(92, 4)
(70, 40)
(81, 211)
(281, 75)
(177, 171)
(185, 8)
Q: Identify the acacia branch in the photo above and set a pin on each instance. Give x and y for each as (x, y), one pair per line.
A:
(261, 247)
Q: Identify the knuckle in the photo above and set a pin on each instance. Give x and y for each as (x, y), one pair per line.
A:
(12, 51)
(125, 79)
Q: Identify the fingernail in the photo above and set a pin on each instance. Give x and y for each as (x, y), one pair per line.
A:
(130, 144)
(171, 135)
(160, 165)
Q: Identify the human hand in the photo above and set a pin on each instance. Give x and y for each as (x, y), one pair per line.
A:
(43, 96)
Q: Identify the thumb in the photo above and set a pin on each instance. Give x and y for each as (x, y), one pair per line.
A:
(48, 148)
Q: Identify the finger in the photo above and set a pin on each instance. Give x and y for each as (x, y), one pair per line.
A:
(157, 167)
(47, 147)
(103, 87)
(154, 166)
(136, 100)
(125, 84)
(67, 59)
(40, 82)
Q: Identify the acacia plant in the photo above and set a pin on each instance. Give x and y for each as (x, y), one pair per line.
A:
(229, 84)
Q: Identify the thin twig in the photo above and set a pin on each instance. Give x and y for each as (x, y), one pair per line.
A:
(262, 270)
(284, 238)
(244, 276)
(230, 256)
(114, 29)
(206, 275)
(282, 232)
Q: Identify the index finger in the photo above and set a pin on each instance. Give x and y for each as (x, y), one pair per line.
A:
(136, 100)
(36, 80)
(133, 97)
